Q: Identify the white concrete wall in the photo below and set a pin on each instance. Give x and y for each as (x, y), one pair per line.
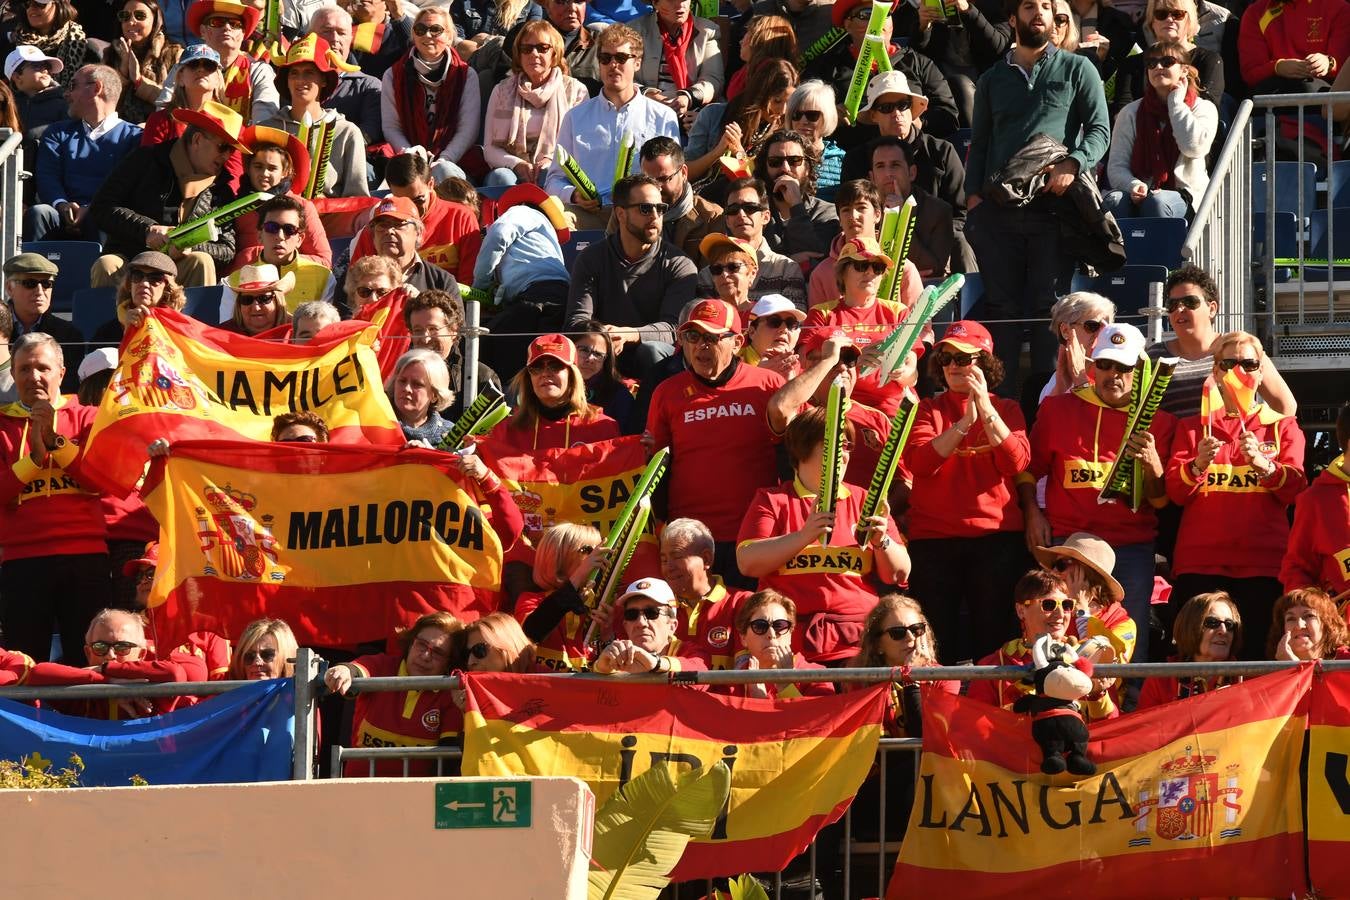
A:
(372, 838)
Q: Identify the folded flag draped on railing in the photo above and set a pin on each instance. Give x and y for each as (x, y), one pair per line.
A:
(1201, 796)
(344, 543)
(795, 764)
(1329, 784)
(245, 735)
(179, 379)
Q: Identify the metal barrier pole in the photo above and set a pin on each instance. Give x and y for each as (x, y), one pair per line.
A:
(306, 675)
(468, 384)
(11, 191)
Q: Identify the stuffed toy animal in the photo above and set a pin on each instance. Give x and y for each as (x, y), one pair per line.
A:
(1061, 678)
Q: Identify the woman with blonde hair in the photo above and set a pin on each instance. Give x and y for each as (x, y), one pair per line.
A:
(1075, 320)
(418, 387)
(552, 410)
(496, 643)
(897, 634)
(768, 38)
(265, 649)
(149, 280)
(1174, 21)
(554, 616)
(368, 279)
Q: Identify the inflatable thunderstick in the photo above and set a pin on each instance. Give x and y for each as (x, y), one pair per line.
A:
(318, 139)
(890, 354)
(623, 164)
(207, 228)
(862, 69)
(880, 486)
(897, 233)
(1124, 481)
(577, 175)
(487, 409)
(823, 44)
(831, 454)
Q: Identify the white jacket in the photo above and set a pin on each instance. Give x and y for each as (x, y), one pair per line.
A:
(1193, 128)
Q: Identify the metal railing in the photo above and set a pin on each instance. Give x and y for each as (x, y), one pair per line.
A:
(11, 191)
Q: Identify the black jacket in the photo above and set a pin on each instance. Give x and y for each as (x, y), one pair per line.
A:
(836, 69)
(982, 39)
(941, 171)
(144, 191)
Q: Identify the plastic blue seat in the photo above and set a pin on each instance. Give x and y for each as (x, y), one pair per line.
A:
(1126, 288)
(1153, 240)
(580, 241)
(494, 191)
(74, 259)
(93, 307)
(203, 303)
(1338, 184)
(1287, 193)
(1320, 248)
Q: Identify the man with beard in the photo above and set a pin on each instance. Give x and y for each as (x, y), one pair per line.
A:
(690, 218)
(1036, 89)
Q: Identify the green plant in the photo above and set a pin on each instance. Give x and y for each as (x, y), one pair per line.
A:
(35, 773)
(641, 832)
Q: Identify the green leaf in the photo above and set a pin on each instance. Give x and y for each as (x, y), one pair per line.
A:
(641, 832)
(747, 887)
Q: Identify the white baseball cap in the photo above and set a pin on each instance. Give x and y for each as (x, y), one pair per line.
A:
(1119, 342)
(27, 53)
(771, 304)
(652, 589)
(97, 361)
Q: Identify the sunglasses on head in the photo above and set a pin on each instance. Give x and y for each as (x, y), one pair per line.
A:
(34, 283)
(743, 209)
(479, 650)
(649, 209)
(887, 108)
(127, 15)
(1248, 365)
(1161, 62)
(120, 648)
(650, 613)
(810, 115)
(285, 229)
(607, 58)
(1190, 301)
(791, 162)
(1214, 623)
(423, 30)
(727, 268)
(254, 656)
(946, 358)
(898, 632)
(1162, 15)
(788, 322)
(1110, 365)
(255, 299)
(223, 22)
(762, 626)
(138, 276)
(545, 365)
(1049, 604)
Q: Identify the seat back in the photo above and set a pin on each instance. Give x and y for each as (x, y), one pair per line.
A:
(74, 259)
(1153, 240)
(1126, 288)
(92, 308)
(203, 303)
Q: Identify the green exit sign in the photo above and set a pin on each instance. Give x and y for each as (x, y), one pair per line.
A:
(483, 804)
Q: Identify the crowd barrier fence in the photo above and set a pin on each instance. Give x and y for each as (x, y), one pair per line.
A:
(11, 191)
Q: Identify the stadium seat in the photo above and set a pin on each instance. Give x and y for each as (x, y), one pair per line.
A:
(580, 241)
(1322, 225)
(961, 141)
(93, 307)
(493, 192)
(1153, 240)
(1287, 194)
(1338, 184)
(1127, 288)
(339, 247)
(203, 303)
(74, 259)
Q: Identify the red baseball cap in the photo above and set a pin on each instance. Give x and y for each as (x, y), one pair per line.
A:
(401, 208)
(713, 316)
(843, 7)
(149, 557)
(968, 337)
(558, 346)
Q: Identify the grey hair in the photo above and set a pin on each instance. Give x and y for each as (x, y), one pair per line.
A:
(329, 9)
(34, 339)
(437, 372)
(690, 534)
(320, 311)
(109, 83)
(104, 616)
(823, 94)
(1077, 306)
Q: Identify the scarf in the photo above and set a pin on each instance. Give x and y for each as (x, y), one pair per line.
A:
(1155, 152)
(67, 43)
(550, 97)
(190, 182)
(676, 49)
(238, 94)
(433, 131)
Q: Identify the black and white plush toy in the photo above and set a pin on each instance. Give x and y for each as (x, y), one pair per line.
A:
(1061, 678)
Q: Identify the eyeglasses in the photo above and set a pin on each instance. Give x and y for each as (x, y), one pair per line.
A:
(1049, 604)
(1248, 365)
(299, 439)
(1062, 565)
(145, 575)
(650, 613)
(1110, 365)
(1213, 623)
(255, 299)
(762, 626)
(254, 656)
(139, 15)
(139, 276)
(541, 49)
(591, 353)
(1091, 326)
(223, 22)
(872, 266)
(1161, 62)
(547, 365)
(430, 332)
(119, 648)
(947, 358)
(696, 337)
(898, 632)
(422, 30)
(365, 292)
(285, 229)
(1190, 301)
(791, 162)
(788, 322)
(743, 209)
(1162, 15)
(1061, 20)
(479, 650)
(861, 15)
(649, 209)
(887, 108)
(422, 646)
(607, 59)
(35, 283)
(728, 268)
(387, 224)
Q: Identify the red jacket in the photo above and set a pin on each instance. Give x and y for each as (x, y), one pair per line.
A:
(1319, 543)
(970, 493)
(445, 226)
(1272, 30)
(44, 510)
(555, 435)
(1235, 523)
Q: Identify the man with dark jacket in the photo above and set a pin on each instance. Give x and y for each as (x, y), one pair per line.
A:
(381, 34)
(29, 280)
(357, 95)
(801, 225)
(157, 188)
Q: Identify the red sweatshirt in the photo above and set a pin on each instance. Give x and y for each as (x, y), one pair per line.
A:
(1319, 543)
(1073, 445)
(445, 226)
(44, 510)
(1273, 30)
(970, 493)
(706, 629)
(547, 434)
(1235, 523)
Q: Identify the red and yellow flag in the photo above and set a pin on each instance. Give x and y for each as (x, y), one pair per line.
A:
(1201, 796)
(180, 379)
(344, 543)
(394, 340)
(1329, 784)
(795, 764)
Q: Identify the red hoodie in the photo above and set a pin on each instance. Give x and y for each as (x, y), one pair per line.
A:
(1319, 544)
(1273, 30)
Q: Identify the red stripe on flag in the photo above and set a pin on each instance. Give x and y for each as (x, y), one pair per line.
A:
(768, 854)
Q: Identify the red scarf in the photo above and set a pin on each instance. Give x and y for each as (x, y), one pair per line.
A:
(1155, 151)
(676, 49)
(435, 133)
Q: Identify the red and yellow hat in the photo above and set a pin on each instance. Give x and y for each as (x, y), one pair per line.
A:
(968, 336)
(713, 316)
(314, 49)
(533, 195)
(558, 346)
(216, 119)
(202, 9)
(863, 249)
(256, 137)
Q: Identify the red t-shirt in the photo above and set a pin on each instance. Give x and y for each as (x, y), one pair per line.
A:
(872, 427)
(550, 435)
(865, 325)
(707, 628)
(722, 449)
(564, 649)
(399, 719)
(1319, 543)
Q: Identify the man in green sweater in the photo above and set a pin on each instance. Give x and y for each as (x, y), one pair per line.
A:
(1035, 89)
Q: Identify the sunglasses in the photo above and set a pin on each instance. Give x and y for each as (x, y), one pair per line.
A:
(199, 64)
(947, 358)
(254, 656)
(35, 283)
(731, 268)
(1162, 15)
(790, 161)
(810, 115)
(1248, 365)
(139, 15)
(649, 209)
(138, 276)
(299, 439)
(479, 650)
(146, 575)
(1110, 365)
(875, 268)
(428, 30)
(367, 292)
(1061, 20)
(1190, 301)
(586, 549)
(887, 108)
(1213, 623)
(1048, 604)
(541, 49)
(1091, 326)
(1161, 62)
(223, 22)
(743, 209)
(696, 337)
(120, 648)
(898, 632)
(788, 322)
(1062, 565)
(255, 299)
(611, 58)
(762, 626)
(650, 613)
(862, 15)
(285, 229)
(547, 365)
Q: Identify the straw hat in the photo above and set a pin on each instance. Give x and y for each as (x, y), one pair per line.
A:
(1090, 551)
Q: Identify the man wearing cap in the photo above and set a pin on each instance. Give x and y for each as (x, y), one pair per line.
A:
(690, 218)
(357, 95)
(250, 86)
(858, 203)
(772, 335)
(77, 155)
(705, 606)
(1073, 445)
(934, 241)
(648, 610)
(157, 188)
(38, 100)
(53, 536)
(29, 280)
(836, 66)
(634, 281)
(396, 231)
(282, 226)
(1037, 89)
(746, 216)
(714, 418)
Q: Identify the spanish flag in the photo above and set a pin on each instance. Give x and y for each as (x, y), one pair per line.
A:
(344, 543)
(1200, 796)
(180, 379)
(1329, 784)
(387, 315)
(795, 764)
